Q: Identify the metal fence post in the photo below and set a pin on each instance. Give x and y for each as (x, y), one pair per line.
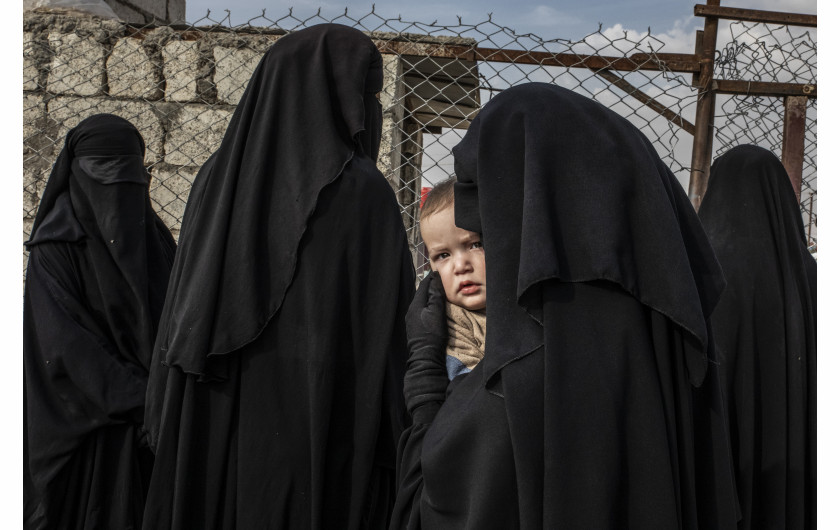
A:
(701, 153)
(793, 140)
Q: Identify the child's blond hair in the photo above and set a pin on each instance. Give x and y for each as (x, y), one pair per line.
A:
(441, 196)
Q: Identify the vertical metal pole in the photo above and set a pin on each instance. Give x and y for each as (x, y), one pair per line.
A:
(810, 216)
(793, 140)
(701, 153)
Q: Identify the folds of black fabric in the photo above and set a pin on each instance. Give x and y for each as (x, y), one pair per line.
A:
(765, 329)
(597, 404)
(98, 266)
(275, 398)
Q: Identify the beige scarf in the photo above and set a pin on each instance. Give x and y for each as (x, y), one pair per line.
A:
(466, 334)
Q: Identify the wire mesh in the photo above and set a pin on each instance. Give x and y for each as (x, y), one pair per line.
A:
(179, 85)
(777, 53)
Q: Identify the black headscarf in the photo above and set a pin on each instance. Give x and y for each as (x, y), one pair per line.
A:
(600, 281)
(580, 202)
(765, 328)
(248, 201)
(98, 267)
(274, 399)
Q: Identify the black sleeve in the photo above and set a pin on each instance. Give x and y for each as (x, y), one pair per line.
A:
(74, 379)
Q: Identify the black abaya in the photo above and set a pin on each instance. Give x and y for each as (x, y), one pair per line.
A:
(98, 266)
(765, 328)
(275, 399)
(597, 404)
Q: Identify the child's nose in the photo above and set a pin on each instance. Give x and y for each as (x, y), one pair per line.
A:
(462, 264)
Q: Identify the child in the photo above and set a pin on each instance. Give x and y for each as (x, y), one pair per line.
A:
(458, 257)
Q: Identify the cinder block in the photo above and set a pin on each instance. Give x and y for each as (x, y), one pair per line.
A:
(34, 182)
(169, 192)
(392, 85)
(195, 134)
(33, 110)
(388, 160)
(31, 47)
(181, 70)
(69, 111)
(233, 71)
(78, 65)
(131, 72)
(40, 146)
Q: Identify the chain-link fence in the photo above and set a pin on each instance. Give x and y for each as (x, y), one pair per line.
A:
(759, 52)
(179, 85)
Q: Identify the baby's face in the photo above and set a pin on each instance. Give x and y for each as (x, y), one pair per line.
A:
(458, 256)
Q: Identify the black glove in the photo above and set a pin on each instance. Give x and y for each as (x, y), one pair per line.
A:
(426, 378)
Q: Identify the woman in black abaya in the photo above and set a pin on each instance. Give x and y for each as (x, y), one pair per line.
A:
(765, 329)
(275, 400)
(597, 404)
(99, 260)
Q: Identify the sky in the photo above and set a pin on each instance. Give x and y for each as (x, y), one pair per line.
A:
(672, 20)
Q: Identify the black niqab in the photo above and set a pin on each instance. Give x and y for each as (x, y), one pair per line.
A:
(595, 405)
(765, 329)
(98, 267)
(275, 397)
(250, 187)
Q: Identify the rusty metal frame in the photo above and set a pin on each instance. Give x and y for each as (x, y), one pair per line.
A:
(648, 101)
(700, 64)
(755, 15)
(793, 140)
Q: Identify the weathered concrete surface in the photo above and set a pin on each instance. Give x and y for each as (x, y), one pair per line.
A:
(233, 71)
(169, 191)
(33, 109)
(69, 111)
(34, 182)
(392, 85)
(78, 65)
(132, 73)
(31, 46)
(181, 70)
(147, 11)
(156, 8)
(126, 13)
(195, 133)
(177, 10)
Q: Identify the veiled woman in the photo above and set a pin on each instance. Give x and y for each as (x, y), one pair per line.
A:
(597, 403)
(275, 396)
(99, 261)
(765, 328)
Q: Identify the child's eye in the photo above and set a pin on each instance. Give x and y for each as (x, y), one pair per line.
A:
(442, 255)
(477, 244)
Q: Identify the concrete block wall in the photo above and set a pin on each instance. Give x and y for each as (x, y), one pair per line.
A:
(149, 11)
(178, 87)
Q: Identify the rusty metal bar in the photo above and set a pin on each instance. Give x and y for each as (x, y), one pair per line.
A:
(639, 61)
(648, 101)
(701, 153)
(760, 88)
(676, 62)
(793, 140)
(756, 15)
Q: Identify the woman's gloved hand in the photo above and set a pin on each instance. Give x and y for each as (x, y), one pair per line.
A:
(426, 378)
